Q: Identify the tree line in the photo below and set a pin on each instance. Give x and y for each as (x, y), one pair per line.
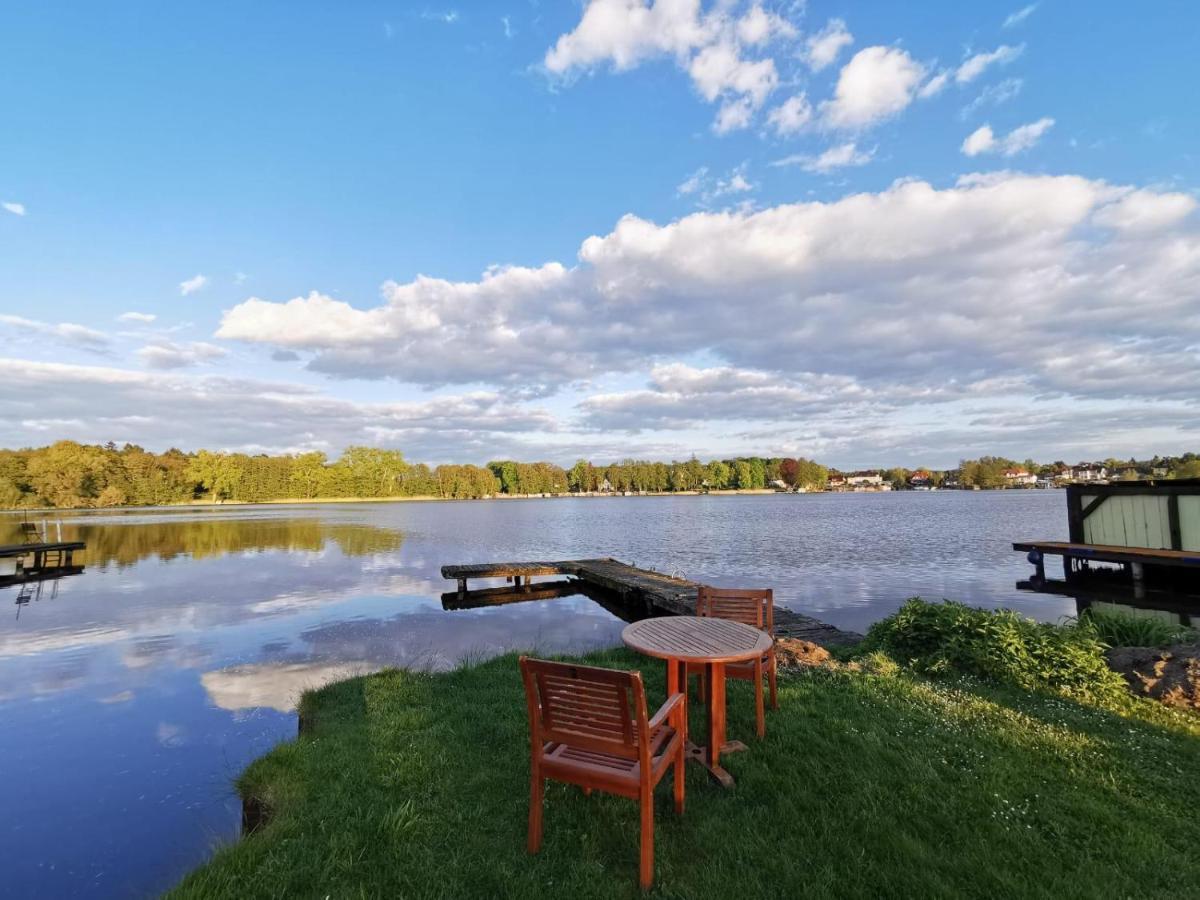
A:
(68, 474)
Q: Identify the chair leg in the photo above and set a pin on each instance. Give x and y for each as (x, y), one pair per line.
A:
(680, 772)
(537, 785)
(646, 867)
(771, 678)
(760, 719)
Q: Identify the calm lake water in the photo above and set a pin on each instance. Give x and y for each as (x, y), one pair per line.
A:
(132, 695)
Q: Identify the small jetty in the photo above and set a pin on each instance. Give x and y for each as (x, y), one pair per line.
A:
(37, 559)
(45, 554)
(639, 592)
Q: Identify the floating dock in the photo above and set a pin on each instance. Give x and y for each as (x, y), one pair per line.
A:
(642, 592)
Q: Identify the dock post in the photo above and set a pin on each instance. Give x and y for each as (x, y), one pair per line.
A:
(1139, 580)
(462, 587)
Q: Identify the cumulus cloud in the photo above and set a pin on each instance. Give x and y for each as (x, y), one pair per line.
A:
(712, 47)
(979, 63)
(165, 354)
(193, 284)
(143, 318)
(791, 116)
(17, 209)
(838, 157)
(875, 85)
(984, 140)
(823, 48)
(915, 285)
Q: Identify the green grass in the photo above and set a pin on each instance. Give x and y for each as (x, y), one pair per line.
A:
(867, 785)
(1122, 629)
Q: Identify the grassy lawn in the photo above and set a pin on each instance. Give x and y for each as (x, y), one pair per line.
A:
(414, 785)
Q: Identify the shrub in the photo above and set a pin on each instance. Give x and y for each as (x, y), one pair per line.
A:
(1122, 629)
(948, 637)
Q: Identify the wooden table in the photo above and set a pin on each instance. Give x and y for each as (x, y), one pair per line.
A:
(712, 642)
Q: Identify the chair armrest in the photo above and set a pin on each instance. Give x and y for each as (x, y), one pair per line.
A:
(673, 702)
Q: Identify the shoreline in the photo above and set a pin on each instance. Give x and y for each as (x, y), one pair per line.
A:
(429, 498)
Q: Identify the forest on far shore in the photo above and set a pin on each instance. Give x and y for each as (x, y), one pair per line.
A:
(67, 474)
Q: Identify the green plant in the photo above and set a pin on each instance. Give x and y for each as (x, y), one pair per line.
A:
(948, 637)
(1121, 629)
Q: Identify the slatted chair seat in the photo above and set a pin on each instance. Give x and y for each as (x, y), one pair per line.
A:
(589, 727)
(751, 607)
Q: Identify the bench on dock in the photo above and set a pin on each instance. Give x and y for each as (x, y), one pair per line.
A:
(640, 590)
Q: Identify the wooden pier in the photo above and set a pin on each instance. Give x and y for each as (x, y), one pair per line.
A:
(642, 592)
(46, 554)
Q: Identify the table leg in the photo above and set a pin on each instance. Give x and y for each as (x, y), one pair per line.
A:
(716, 712)
(672, 678)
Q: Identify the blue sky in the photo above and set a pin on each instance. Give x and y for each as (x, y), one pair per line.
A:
(862, 232)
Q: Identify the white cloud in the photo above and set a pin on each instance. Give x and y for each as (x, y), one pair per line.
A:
(165, 354)
(447, 16)
(68, 332)
(17, 209)
(144, 318)
(791, 116)
(193, 284)
(876, 84)
(1016, 18)
(710, 46)
(984, 140)
(823, 48)
(994, 95)
(838, 157)
(627, 32)
(758, 26)
(934, 85)
(706, 188)
(980, 62)
(94, 403)
(508, 29)
(915, 285)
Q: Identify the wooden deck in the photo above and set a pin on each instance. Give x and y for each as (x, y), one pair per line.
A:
(7, 551)
(1109, 553)
(641, 591)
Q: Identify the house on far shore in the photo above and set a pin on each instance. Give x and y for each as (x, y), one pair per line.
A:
(837, 481)
(1088, 472)
(868, 480)
(1019, 478)
(920, 480)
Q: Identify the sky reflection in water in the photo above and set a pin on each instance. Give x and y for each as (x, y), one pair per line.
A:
(132, 695)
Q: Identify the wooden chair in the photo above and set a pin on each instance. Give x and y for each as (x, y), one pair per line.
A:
(751, 607)
(588, 727)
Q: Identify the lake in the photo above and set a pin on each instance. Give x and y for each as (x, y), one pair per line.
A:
(132, 695)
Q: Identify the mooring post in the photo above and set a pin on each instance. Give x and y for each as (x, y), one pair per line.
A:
(462, 587)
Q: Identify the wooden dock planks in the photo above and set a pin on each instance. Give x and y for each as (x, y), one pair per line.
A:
(654, 592)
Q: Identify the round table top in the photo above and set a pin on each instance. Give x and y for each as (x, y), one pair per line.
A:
(696, 639)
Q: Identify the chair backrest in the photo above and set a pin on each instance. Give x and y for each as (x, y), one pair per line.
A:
(601, 710)
(746, 605)
(30, 533)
